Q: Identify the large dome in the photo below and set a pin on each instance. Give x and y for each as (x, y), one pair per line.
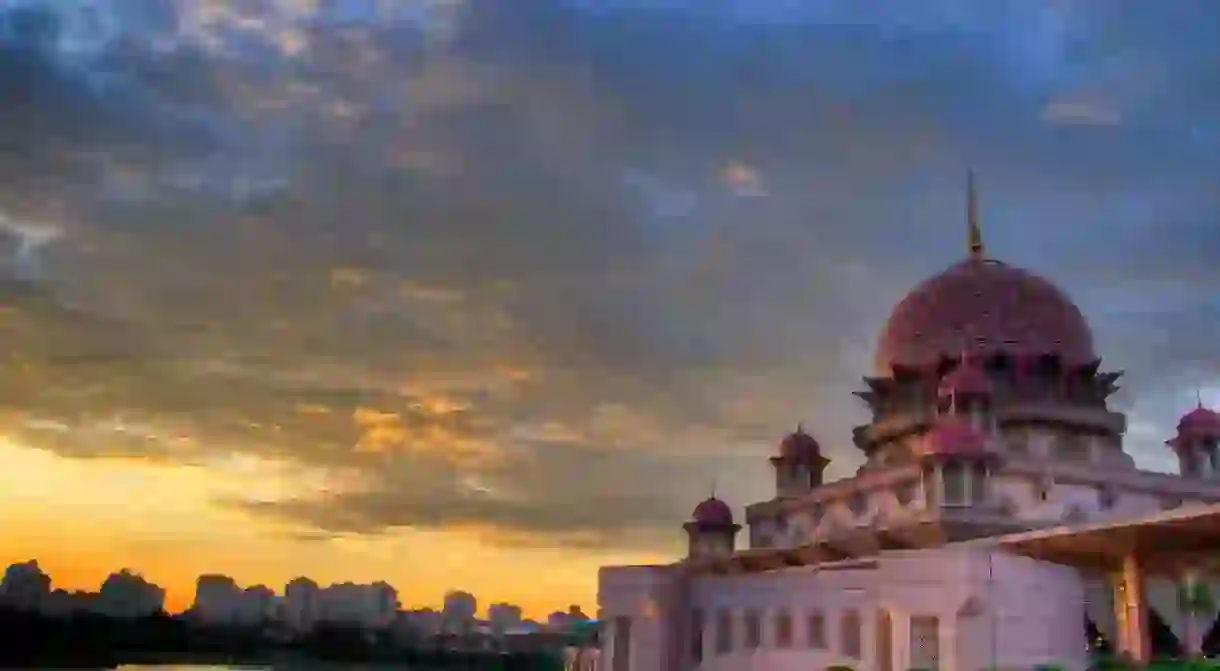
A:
(980, 307)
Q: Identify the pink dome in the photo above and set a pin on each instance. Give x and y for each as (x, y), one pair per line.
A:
(982, 307)
(713, 512)
(800, 447)
(965, 380)
(952, 436)
(1199, 423)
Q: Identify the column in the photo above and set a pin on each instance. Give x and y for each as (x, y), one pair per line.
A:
(1131, 611)
(1194, 620)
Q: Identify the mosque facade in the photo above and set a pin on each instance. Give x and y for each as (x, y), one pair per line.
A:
(990, 417)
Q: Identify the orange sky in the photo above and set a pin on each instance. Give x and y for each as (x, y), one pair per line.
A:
(83, 519)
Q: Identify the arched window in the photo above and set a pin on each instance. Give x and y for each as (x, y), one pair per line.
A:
(783, 629)
(849, 631)
(1106, 497)
(753, 622)
(978, 484)
(724, 632)
(954, 475)
(815, 631)
(696, 636)
(858, 503)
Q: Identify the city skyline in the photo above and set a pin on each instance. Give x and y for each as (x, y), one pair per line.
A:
(453, 293)
(23, 580)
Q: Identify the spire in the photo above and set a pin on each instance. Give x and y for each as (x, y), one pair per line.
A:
(800, 427)
(974, 234)
(1199, 397)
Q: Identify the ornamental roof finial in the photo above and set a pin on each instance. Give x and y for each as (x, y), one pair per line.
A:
(974, 233)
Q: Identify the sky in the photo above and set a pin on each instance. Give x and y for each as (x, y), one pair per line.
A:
(484, 295)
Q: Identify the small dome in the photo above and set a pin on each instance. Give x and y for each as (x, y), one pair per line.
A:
(800, 447)
(713, 512)
(951, 436)
(1199, 423)
(966, 379)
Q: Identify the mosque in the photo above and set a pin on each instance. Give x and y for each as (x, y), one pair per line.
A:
(996, 521)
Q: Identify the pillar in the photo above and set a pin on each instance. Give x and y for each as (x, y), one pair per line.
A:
(1131, 611)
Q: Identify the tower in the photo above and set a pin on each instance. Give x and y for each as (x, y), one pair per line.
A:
(1196, 443)
(711, 531)
(800, 466)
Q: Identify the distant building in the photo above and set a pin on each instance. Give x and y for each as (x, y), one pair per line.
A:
(301, 605)
(25, 586)
(366, 606)
(217, 600)
(127, 594)
(458, 613)
(425, 621)
(503, 617)
(258, 604)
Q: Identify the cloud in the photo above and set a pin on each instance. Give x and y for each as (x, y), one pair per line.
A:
(742, 180)
(468, 244)
(1080, 113)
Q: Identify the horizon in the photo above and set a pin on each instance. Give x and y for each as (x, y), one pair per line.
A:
(279, 591)
(457, 296)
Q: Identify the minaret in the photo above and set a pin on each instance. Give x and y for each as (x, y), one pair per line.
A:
(800, 466)
(1197, 443)
(711, 530)
(974, 234)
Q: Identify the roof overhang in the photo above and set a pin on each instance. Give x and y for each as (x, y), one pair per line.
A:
(1168, 543)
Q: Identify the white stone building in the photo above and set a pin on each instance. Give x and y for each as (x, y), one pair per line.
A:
(989, 418)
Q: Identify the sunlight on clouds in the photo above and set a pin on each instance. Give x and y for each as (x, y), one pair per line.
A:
(547, 432)
(742, 180)
(440, 406)
(1082, 110)
(383, 432)
(311, 409)
(499, 379)
(386, 433)
(40, 484)
(349, 278)
(419, 292)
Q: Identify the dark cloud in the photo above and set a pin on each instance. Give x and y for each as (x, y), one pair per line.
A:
(551, 269)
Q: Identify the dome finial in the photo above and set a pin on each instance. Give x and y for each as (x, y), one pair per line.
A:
(1199, 397)
(974, 233)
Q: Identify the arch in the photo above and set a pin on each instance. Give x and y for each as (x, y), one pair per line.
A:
(974, 638)
(971, 608)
